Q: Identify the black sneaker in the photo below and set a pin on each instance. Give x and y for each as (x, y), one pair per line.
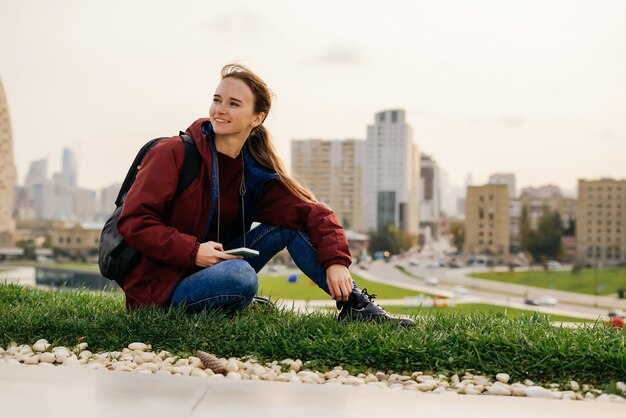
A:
(360, 307)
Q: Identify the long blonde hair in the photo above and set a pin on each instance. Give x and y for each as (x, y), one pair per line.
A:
(259, 143)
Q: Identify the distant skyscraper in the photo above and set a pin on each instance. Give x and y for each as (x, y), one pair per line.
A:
(68, 168)
(333, 171)
(7, 174)
(392, 174)
(430, 196)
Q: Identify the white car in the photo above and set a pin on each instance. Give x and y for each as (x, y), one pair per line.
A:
(544, 300)
(431, 281)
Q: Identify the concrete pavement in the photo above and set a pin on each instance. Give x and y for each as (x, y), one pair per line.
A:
(38, 391)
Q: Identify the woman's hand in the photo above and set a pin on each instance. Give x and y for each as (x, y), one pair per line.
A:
(339, 282)
(211, 253)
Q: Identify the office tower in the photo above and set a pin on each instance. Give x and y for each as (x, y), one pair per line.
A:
(430, 196)
(68, 167)
(7, 174)
(106, 200)
(391, 174)
(487, 222)
(332, 170)
(601, 222)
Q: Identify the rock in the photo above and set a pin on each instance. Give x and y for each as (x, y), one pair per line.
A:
(85, 354)
(574, 385)
(330, 375)
(539, 392)
(296, 365)
(47, 358)
(568, 395)
(41, 345)
(31, 359)
(621, 387)
(426, 386)
(503, 377)
(439, 389)
(529, 382)
(370, 378)
(455, 379)
(138, 346)
(233, 375)
(589, 396)
(424, 378)
(381, 376)
(499, 390)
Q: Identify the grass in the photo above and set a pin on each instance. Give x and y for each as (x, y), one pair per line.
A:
(525, 347)
(278, 287)
(582, 282)
(477, 308)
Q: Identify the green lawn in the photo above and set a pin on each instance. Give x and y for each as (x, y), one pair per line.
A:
(609, 280)
(278, 287)
(526, 346)
(477, 308)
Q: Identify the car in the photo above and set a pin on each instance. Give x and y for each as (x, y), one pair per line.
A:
(544, 300)
(431, 281)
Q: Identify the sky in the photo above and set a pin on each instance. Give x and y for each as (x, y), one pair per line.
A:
(532, 87)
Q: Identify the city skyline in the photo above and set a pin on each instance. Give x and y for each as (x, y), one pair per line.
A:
(529, 88)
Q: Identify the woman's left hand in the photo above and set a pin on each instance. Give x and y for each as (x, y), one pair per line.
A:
(339, 282)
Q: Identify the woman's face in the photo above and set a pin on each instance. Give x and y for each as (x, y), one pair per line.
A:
(232, 110)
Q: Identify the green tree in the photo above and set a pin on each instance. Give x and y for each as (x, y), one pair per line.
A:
(457, 235)
(29, 249)
(545, 243)
(524, 229)
(389, 239)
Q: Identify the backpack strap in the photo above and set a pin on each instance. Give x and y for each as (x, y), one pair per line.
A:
(132, 171)
(191, 166)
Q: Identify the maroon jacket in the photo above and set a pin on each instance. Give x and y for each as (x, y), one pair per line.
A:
(167, 231)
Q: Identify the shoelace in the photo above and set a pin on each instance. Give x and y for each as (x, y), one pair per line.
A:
(367, 295)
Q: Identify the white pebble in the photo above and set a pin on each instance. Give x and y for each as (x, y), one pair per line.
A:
(621, 387)
(138, 346)
(47, 358)
(539, 392)
(503, 377)
(233, 375)
(426, 386)
(31, 360)
(41, 346)
(499, 390)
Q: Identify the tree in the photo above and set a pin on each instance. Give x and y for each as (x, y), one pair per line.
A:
(545, 243)
(457, 232)
(389, 239)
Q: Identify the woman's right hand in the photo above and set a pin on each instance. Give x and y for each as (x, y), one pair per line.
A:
(211, 253)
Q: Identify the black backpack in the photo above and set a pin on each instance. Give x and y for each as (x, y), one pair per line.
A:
(115, 257)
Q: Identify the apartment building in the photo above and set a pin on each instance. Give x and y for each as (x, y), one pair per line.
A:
(601, 222)
(487, 222)
(333, 171)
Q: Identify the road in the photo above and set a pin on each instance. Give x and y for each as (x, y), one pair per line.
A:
(488, 291)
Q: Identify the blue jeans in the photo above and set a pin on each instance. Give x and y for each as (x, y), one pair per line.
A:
(232, 284)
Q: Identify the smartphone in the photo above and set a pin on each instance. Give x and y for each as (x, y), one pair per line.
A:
(242, 251)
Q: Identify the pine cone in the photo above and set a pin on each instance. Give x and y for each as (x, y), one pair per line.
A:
(211, 362)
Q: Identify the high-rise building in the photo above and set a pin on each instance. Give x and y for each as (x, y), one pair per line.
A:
(68, 167)
(332, 170)
(601, 222)
(487, 222)
(7, 174)
(430, 196)
(391, 174)
(106, 200)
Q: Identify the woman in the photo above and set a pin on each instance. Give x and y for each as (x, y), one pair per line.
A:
(241, 181)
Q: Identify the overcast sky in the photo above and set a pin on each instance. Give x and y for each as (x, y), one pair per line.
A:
(533, 87)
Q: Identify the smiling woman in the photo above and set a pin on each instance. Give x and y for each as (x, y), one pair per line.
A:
(184, 238)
